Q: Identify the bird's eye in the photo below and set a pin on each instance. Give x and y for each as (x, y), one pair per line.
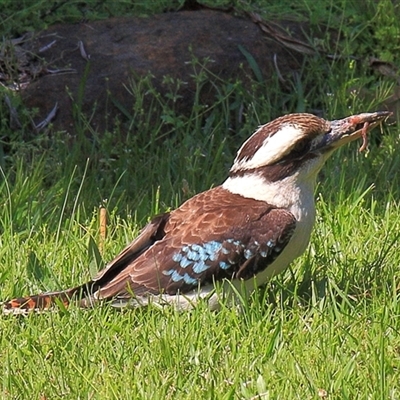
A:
(300, 147)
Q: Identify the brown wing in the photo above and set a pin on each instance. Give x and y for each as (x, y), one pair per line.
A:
(212, 236)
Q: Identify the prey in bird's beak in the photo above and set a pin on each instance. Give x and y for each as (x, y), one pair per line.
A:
(342, 131)
(348, 129)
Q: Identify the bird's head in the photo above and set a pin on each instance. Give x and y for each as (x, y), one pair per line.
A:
(298, 143)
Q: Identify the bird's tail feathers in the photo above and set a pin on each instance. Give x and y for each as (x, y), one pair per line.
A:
(45, 301)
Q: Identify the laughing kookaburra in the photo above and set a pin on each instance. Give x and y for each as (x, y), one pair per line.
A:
(237, 235)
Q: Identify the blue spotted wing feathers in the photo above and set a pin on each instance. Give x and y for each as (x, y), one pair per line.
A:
(213, 236)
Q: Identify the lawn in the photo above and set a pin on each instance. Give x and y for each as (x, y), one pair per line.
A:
(328, 328)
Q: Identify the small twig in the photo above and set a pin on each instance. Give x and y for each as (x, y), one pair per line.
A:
(83, 52)
(283, 38)
(47, 47)
(60, 71)
(48, 119)
(103, 227)
(278, 72)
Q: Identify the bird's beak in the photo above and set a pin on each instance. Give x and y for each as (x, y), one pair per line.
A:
(348, 129)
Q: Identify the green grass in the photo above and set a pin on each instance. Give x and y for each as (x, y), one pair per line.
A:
(327, 328)
(348, 350)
